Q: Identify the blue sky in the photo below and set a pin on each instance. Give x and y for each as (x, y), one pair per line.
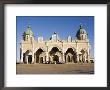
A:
(46, 25)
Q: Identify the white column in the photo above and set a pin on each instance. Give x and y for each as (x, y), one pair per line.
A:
(59, 59)
(63, 56)
(63, 53)
(27, 59)
(32, 57)
(32, 52)
(85, 58)
(77, 55)
(44, 59)
(47, 57)
(78, 58)
(21, 56)
(88, 54)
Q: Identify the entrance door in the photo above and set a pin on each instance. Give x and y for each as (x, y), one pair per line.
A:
(69, 59)
(30, 59)
(56, 58)
(41, 60)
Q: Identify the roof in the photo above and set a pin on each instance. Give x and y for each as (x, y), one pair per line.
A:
(29, 31)
(81, 30)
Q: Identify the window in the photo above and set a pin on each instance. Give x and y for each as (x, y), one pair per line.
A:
(82, 37)
(27, 38)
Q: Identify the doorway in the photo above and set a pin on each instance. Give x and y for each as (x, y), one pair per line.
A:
(30, 59)
(56, 58)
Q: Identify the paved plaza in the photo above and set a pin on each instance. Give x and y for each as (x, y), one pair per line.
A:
(76, 68)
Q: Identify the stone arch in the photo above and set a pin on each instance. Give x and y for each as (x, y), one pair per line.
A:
(54, 50)
(71, 55)
(27, 56)
(71, 48)
(39, 56)
(54, 54)
(55, 46)
(40, 48)
(84, 55)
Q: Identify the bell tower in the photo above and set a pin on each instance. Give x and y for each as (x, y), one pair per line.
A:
(28, 35)
(81, 33)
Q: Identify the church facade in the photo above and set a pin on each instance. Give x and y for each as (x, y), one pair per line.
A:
(55, 50)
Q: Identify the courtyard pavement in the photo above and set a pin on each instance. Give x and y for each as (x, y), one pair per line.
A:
(76, 68)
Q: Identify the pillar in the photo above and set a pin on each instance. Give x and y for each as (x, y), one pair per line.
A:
(63, 57)
(63, 53)
(77, 55)
(47, 57)
(88, 52)
(21, 56)
(27, 59)
(32, 52)
(32, 57)
(85, 58)
(78, 58)
(59, 58)
(88, 55)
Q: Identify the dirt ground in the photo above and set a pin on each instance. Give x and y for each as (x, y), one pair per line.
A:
(76, 68)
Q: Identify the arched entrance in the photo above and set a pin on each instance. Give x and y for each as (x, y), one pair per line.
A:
(56, 58)
(84, 55)
(27, 57)
(37, 55)
(54, 54)
(30, 59)
(69, 59)
(41, 59)
(71, 55)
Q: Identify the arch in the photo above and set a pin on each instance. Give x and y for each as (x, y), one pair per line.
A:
(55, 46)
(27, 56)
(54, 54)
(71, 55)
(38, 56)
(70, 48)
(84, 55)
(39, 48)
(54, 50)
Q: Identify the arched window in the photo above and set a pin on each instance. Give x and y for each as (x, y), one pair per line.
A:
(26, 37)
(82, 37)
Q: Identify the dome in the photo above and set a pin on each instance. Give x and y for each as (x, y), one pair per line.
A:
(29, 31)
(81, 31)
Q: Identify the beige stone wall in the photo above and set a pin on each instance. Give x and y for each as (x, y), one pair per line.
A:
(46, 46)
(79, 45)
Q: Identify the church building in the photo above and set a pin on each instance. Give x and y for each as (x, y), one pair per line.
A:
(55, 50)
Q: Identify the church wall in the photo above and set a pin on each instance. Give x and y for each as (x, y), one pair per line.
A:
(26, 46)
(81, 46)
